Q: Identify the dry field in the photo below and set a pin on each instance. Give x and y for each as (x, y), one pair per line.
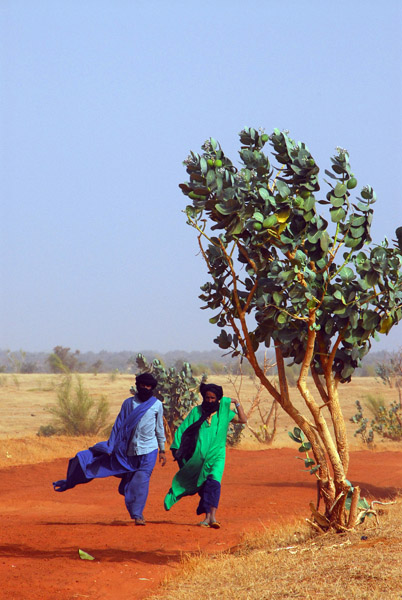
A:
(293, 564)
(24, 397)
(264, 551)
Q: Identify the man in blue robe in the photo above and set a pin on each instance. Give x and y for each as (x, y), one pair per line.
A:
(130, 452)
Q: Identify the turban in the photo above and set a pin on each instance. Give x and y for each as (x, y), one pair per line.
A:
(211, 387)
(146, 379)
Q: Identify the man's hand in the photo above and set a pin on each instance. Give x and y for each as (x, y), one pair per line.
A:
(162, 457)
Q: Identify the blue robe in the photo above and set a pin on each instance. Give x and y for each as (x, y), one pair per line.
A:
(109, 458)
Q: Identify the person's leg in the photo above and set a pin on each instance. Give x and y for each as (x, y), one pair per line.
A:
(75, 475)
(136, 485)
(209, 502)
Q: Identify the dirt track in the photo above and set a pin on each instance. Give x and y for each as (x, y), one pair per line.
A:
(41, 531)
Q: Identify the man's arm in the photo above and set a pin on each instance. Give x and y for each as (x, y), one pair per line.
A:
(241, 415)
(160, 434)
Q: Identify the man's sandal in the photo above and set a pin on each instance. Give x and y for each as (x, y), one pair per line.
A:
(215, 525)
(140, 521)
(204, 524)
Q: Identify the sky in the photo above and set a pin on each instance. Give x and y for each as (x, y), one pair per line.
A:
(101, 102)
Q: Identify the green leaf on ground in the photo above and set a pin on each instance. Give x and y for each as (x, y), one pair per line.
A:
(84, 555)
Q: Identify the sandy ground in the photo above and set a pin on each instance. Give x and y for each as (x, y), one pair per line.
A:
(42, 531)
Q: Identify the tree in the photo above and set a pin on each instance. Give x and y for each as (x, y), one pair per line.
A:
(62, 360)
(281, 275)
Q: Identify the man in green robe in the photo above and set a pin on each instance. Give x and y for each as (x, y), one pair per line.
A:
(199, 446)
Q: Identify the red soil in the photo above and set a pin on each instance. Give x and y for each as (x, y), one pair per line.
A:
(41, 531)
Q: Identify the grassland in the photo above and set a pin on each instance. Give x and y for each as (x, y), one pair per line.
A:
(24, 398)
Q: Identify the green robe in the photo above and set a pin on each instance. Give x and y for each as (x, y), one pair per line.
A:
(209, 454)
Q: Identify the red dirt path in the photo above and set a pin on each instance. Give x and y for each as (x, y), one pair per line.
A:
(41, 531)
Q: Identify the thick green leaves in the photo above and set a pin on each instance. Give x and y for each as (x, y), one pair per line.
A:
(346, 274)
(370, 320)
(265, 195)
(279, 240)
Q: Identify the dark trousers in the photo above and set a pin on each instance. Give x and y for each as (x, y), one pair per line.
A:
(210, 494)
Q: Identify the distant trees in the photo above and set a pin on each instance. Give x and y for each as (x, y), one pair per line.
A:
(62, 360)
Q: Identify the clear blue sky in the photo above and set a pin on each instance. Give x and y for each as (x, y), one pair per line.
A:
(101, 101)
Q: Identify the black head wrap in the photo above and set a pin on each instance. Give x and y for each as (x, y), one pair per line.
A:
(211, 387)
(145, 379)
(190, 436)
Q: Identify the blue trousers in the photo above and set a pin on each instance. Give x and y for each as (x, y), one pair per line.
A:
(134, 486)
(210, 494)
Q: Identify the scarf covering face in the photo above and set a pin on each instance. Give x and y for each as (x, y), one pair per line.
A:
(190, 436)
(145, 379)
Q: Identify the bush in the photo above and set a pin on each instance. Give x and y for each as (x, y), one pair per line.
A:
(386, 421)
(46, 431)
(235, 432)
(76, 412)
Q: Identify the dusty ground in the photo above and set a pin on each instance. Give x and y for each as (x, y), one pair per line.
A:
(41, 531)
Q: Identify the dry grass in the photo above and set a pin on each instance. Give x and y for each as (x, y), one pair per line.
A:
(33, 449)
(24, 397)
(291, 563)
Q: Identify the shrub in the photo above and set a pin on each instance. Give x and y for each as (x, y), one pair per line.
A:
(386, 421)
(76, 412)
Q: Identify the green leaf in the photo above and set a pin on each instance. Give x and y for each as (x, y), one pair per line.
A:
(372, 278)
(211, 177)
(370, 320)
(324, 241)
(264, 193)
(247, 174)
(84, 555)
(258, 217)
(309, 203)
(297, 432)
(282, 188)
(337, 214)
(270, 221)
(351, 242)
(297, 440)
(219, 185)
(346, 274)
(363, 504)
(215, 319)
(340, 190)
(336, 202)
(203, 165)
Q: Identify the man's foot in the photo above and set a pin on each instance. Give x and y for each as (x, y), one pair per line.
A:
(204, 524)
(60, 486)
(140, 521)
(215, 525)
